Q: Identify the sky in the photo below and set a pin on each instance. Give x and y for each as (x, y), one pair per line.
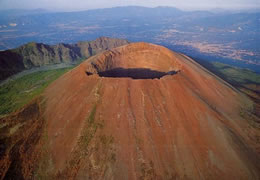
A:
(71, 5)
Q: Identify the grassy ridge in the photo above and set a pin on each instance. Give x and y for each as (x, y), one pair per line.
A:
(244, 80)
(241, 78)
(15, 94)
(236, 75)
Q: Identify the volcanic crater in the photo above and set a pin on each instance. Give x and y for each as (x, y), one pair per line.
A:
(141, 63)
(141, 111)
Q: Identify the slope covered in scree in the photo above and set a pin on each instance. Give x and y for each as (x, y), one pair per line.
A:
(184, 123)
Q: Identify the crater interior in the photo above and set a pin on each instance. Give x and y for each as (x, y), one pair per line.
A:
(145, 61)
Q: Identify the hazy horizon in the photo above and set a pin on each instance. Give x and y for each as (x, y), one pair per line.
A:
(68, 5)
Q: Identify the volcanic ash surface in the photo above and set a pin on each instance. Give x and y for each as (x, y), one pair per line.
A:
(141, 111)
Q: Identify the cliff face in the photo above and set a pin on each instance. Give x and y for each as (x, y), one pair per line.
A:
(21, 142)
(10, 64)
(37, 54)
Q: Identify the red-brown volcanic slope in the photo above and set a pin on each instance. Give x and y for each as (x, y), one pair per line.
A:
(182, 126)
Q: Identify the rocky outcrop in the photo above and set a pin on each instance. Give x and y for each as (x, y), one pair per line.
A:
(22, 142)
(10, 64)
(37, 54)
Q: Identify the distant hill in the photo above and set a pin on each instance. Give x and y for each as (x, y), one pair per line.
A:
(37, 54)
(21, 12)
(229, 35)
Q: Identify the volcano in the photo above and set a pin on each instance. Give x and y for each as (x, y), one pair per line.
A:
(141, 111)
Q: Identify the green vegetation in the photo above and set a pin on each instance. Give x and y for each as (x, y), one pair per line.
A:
(17, 93)
(90, 130)
(234, 75)
(247, 82)
(45, 165)
(91, 117)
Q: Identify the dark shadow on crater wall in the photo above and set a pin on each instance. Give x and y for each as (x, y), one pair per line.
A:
(134, 73)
